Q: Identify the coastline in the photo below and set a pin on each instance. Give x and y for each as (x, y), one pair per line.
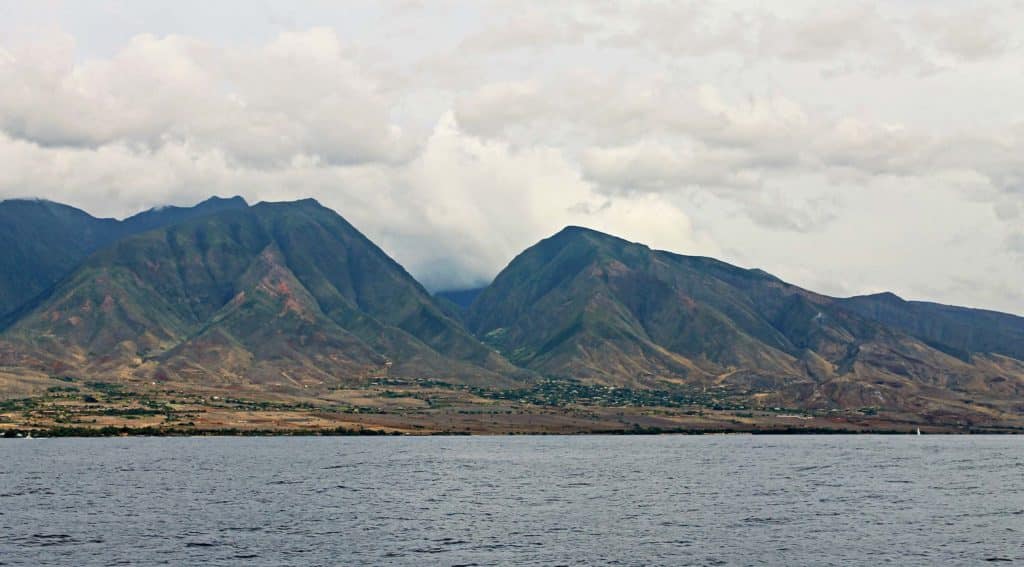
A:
(106, 432)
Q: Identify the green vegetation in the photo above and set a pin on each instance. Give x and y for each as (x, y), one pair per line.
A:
(20, 404)
(113, 431)
(560, 393)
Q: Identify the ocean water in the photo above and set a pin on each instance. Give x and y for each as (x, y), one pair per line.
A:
(580, 500)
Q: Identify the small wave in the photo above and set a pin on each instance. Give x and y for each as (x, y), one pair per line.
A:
(336, 487)
(429, 550)
(46, 540)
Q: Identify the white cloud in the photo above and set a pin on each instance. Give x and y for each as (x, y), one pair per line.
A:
(298, 95)
(467, 205)
(970, 33)
(1015, 243)
(657, 166)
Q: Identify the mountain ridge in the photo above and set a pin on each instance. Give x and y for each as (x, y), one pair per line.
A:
(291, 297)
(44, 240)
(606, 310)
(153, 291)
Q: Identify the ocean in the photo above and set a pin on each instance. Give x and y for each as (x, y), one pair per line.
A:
(558, 500)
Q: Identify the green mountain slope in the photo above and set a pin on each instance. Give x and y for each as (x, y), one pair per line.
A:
(958, 330)
(590, 306)
(44, 241)
(275, 289)
(271, 331)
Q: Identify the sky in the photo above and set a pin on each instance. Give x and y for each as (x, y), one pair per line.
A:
(855, 149)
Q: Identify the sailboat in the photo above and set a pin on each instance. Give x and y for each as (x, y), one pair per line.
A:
(918, 430)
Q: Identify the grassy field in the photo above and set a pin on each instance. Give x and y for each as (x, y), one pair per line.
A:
(69, 406)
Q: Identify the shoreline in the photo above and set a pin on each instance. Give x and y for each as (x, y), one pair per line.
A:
(106, 432)
(79, 408)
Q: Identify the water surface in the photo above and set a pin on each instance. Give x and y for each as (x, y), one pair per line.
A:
(633, 500)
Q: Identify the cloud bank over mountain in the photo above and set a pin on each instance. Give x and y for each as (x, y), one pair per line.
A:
(875, 146)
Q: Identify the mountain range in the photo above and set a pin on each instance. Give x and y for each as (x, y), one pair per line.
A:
(290, 296)
(595, 307)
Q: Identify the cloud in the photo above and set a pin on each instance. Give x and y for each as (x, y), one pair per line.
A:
(1015, 243)
(974, 33)
(298, 95)
(850, 36)
(467, 205)
(853, 37)
(655, 167)
(532, 27)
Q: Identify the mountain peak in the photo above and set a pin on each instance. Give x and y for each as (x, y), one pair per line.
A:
(210, 205)
(236, 200)
(307, 202)
(572, 228)
(886, 296)
(574, 232)
(38, 204)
